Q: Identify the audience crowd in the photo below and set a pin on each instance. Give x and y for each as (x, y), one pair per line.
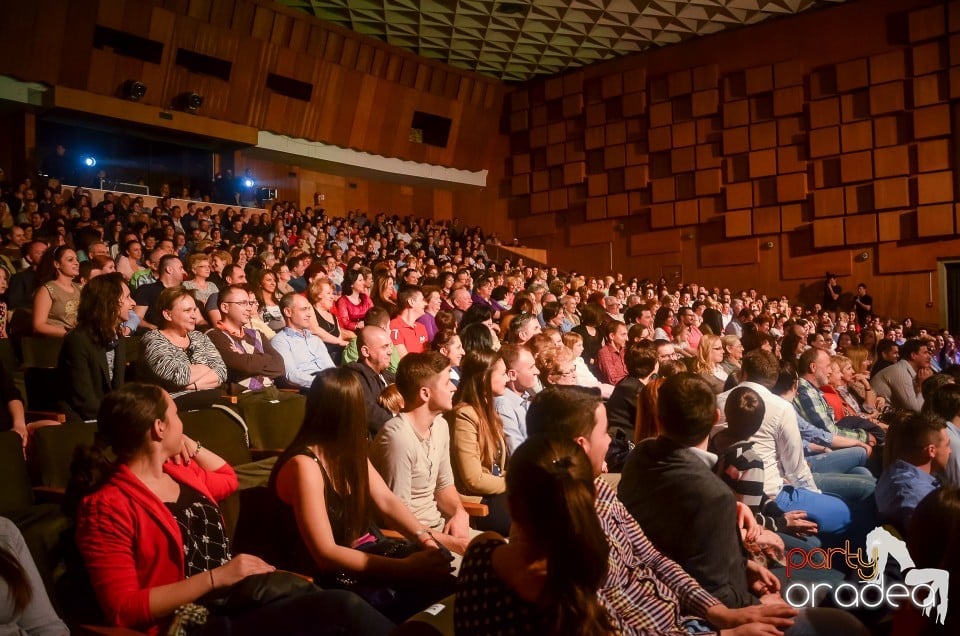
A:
(648, 454)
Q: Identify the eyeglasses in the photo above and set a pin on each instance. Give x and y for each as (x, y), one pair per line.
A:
(247, 303)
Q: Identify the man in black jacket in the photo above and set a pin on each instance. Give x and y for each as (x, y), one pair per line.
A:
(374, 348)
(669, 487)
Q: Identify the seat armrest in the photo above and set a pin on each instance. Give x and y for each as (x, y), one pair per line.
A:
(33, 416)
(475, 509)
(391, 534)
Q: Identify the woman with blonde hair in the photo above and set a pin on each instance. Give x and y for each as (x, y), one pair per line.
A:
(709, 357)
(732, 353)
(557, 366)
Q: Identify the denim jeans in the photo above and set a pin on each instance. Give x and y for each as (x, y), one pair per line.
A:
(831, 513)
(845, 460)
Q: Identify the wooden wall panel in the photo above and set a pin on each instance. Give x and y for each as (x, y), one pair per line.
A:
(825, 143)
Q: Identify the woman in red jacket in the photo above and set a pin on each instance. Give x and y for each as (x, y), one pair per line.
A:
(152, 537)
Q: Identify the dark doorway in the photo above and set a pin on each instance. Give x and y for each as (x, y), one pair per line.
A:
(952, 300)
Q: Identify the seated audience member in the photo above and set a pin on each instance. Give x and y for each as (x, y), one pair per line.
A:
(24, 605)
(545, 580)
(921, 448)
(251, 361)
(478, 451)
(610, 358)
(320, 293)
(478, 337)
(432, 303)
(332, 493)
(128, 261)
(354, 303)
(814, 371)
(709, 362)
(375, 349)
(556, 366)
(641, 360)
(176, 356)
(57, 297)
(407, 334)
(304, 354)
(448, 342)
(375, 317)
(854, 389)
(201, 285)
(585, 377)
(523, 328)
(92, 361)
(900, 383)
(732, 354)
(945, 402)
(887, 354)
(152, 537)
(668, 483)
(931, 540)
(170, 274)
(522, 374)
(742, 469)
(268, 297)
(24, 283)
(644, 591)
(412, 450)
(150, 272)
(233, 276)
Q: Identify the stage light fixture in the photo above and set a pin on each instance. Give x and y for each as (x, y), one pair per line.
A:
(248, 182)
(190, 102)
(134, 90)
(88, 160)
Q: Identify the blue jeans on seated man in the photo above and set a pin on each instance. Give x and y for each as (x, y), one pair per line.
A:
(852, 461)
(830, 512)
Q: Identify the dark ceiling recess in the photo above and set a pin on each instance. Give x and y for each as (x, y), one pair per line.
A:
(127, 44)
(289, 87)
(204, 64)
(511, 8)
(434, 129)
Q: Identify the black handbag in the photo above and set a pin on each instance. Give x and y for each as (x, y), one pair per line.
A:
(256, 590)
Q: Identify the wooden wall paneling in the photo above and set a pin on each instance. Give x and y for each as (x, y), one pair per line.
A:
(824, 112)
(791, 158)
(794, 216)
(824, 141)
(896, 225)
(852, 75)
(935, 220)
(654, 243)
(855, 105)
(788, 73)
(887, 98)
(931, 89)
(898, 258)
(737, 223)
(857, 166)
(766, 220)
(935, 187)
(856, 136)
(888, 66)
(730, 253)
(927, 58)
(892, 130)
(828, 202)
(926, 24)
(828, 233)
(933, 155)
(791, 130)
(591, 233)
(798, 259)
(892, 161)
(858, 199)
(791, 187)
(736, 113)
(763, 135)
(891, 193)
(661, 215)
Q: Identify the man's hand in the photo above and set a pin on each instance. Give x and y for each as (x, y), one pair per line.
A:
(761, 580)
(777, 615)
(747, 522)
(21, 429)
(799, 525)
(458, 525)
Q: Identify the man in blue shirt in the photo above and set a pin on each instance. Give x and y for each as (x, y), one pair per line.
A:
(304, 354)
(923, 449)
(945, 402)
(512, 406)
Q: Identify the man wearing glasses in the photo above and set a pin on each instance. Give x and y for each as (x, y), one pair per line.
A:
(251, 360)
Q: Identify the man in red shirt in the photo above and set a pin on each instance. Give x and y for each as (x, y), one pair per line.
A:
(407, 334)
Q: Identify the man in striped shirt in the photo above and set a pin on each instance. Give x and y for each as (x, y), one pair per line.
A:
(645, 591)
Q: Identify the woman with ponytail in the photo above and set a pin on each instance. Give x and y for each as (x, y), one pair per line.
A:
(153, 540)
(545, 580)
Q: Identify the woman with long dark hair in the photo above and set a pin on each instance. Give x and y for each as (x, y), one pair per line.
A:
(92, 361)
(56, 300)
(332, 493)
(384, 294)
(152, 537)
(478, 449)
(545, 580)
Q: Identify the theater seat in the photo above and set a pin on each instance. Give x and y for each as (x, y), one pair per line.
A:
(436, 620)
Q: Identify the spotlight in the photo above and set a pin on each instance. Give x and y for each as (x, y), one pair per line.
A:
(190, 102)
(134, 90)
(88, 160)
(248, 182)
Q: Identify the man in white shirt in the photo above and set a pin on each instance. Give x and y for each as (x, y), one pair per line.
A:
(412, 450)
(304, 354)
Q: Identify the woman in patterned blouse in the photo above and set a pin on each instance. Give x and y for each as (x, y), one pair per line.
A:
(175, 356)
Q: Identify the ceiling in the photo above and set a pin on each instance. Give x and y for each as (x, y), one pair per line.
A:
(516, 40)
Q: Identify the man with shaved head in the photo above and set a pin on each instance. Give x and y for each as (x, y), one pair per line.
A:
(374, 347)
